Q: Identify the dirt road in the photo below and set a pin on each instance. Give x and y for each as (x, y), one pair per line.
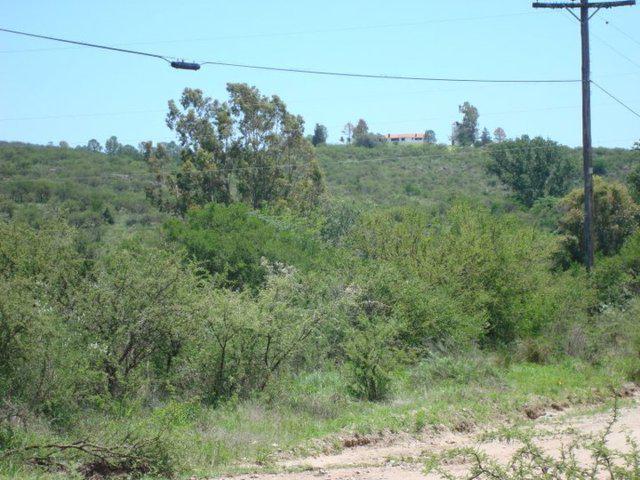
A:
(402, 457)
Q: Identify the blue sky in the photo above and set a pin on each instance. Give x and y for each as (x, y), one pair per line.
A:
(53, 92)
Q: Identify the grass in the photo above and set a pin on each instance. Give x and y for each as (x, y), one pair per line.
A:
(314, 413)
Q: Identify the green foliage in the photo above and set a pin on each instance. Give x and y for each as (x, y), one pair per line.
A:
(249, 149)
(361, 130)
(617, 278)
(633, 180)
(247, 341)
(546, 213)
(94, 146)
(112, 146)
(485, 138)
(230, 242)
(505, 291)
(616, 217)
(465, 133)
(370, 358)
(136, 308)
(259, 327)
(319, 135)
(77, 185)
(533, 168)
(430, 137)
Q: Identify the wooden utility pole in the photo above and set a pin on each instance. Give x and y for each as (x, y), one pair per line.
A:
(587, 151)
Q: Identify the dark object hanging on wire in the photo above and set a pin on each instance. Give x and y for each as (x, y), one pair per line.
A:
(180, 65)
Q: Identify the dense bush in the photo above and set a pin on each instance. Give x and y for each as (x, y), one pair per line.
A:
(230, 242)
(616, 217)
(136, 310)
(244, 342)
(109, 324)
(492, 274)
(533, 168)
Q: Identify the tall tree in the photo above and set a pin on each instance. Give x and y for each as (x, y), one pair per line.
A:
(250, 141)
(112, 146)
(319, 135)
(465, 133)
(94, 146)
(430, 137)
(347, 130)
(499, 135)
(361, 130)
(485, 137)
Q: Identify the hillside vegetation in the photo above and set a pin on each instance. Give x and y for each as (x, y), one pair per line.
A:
(174, 315)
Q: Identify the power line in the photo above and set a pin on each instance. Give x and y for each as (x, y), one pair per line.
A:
(607, 44)
(614, 49)
(296, 70)
(294, 33)
(383, 76)
(616, 99)
(85, 44)
(608, 22)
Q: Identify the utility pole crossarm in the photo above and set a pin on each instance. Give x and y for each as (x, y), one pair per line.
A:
(621, 3)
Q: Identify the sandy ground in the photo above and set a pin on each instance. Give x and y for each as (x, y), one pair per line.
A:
(402, 457)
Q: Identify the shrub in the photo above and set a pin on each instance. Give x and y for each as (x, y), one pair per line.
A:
(616, 217)
(246, 341)
(137, 309)
(370, 359)
(533, 168)
(467, 274)
(230, 242)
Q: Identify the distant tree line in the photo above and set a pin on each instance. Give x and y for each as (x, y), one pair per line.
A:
(464, 133)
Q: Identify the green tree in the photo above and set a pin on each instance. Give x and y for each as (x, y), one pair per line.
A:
(94, 146)
(112, 146)
(465, 133)
(616, 217)
(319, 135)
(361, 130)
(250, 141)
(634, 182)
(370, 140)
(430, 137)
(533, 168)
(636, 146)
(485, 137)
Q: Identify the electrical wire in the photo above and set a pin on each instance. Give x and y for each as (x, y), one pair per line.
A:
(86, 44)
(615, 50)
(295, 33)
(608, 22)
(302, 70)
(384, 76)
(616, 99)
